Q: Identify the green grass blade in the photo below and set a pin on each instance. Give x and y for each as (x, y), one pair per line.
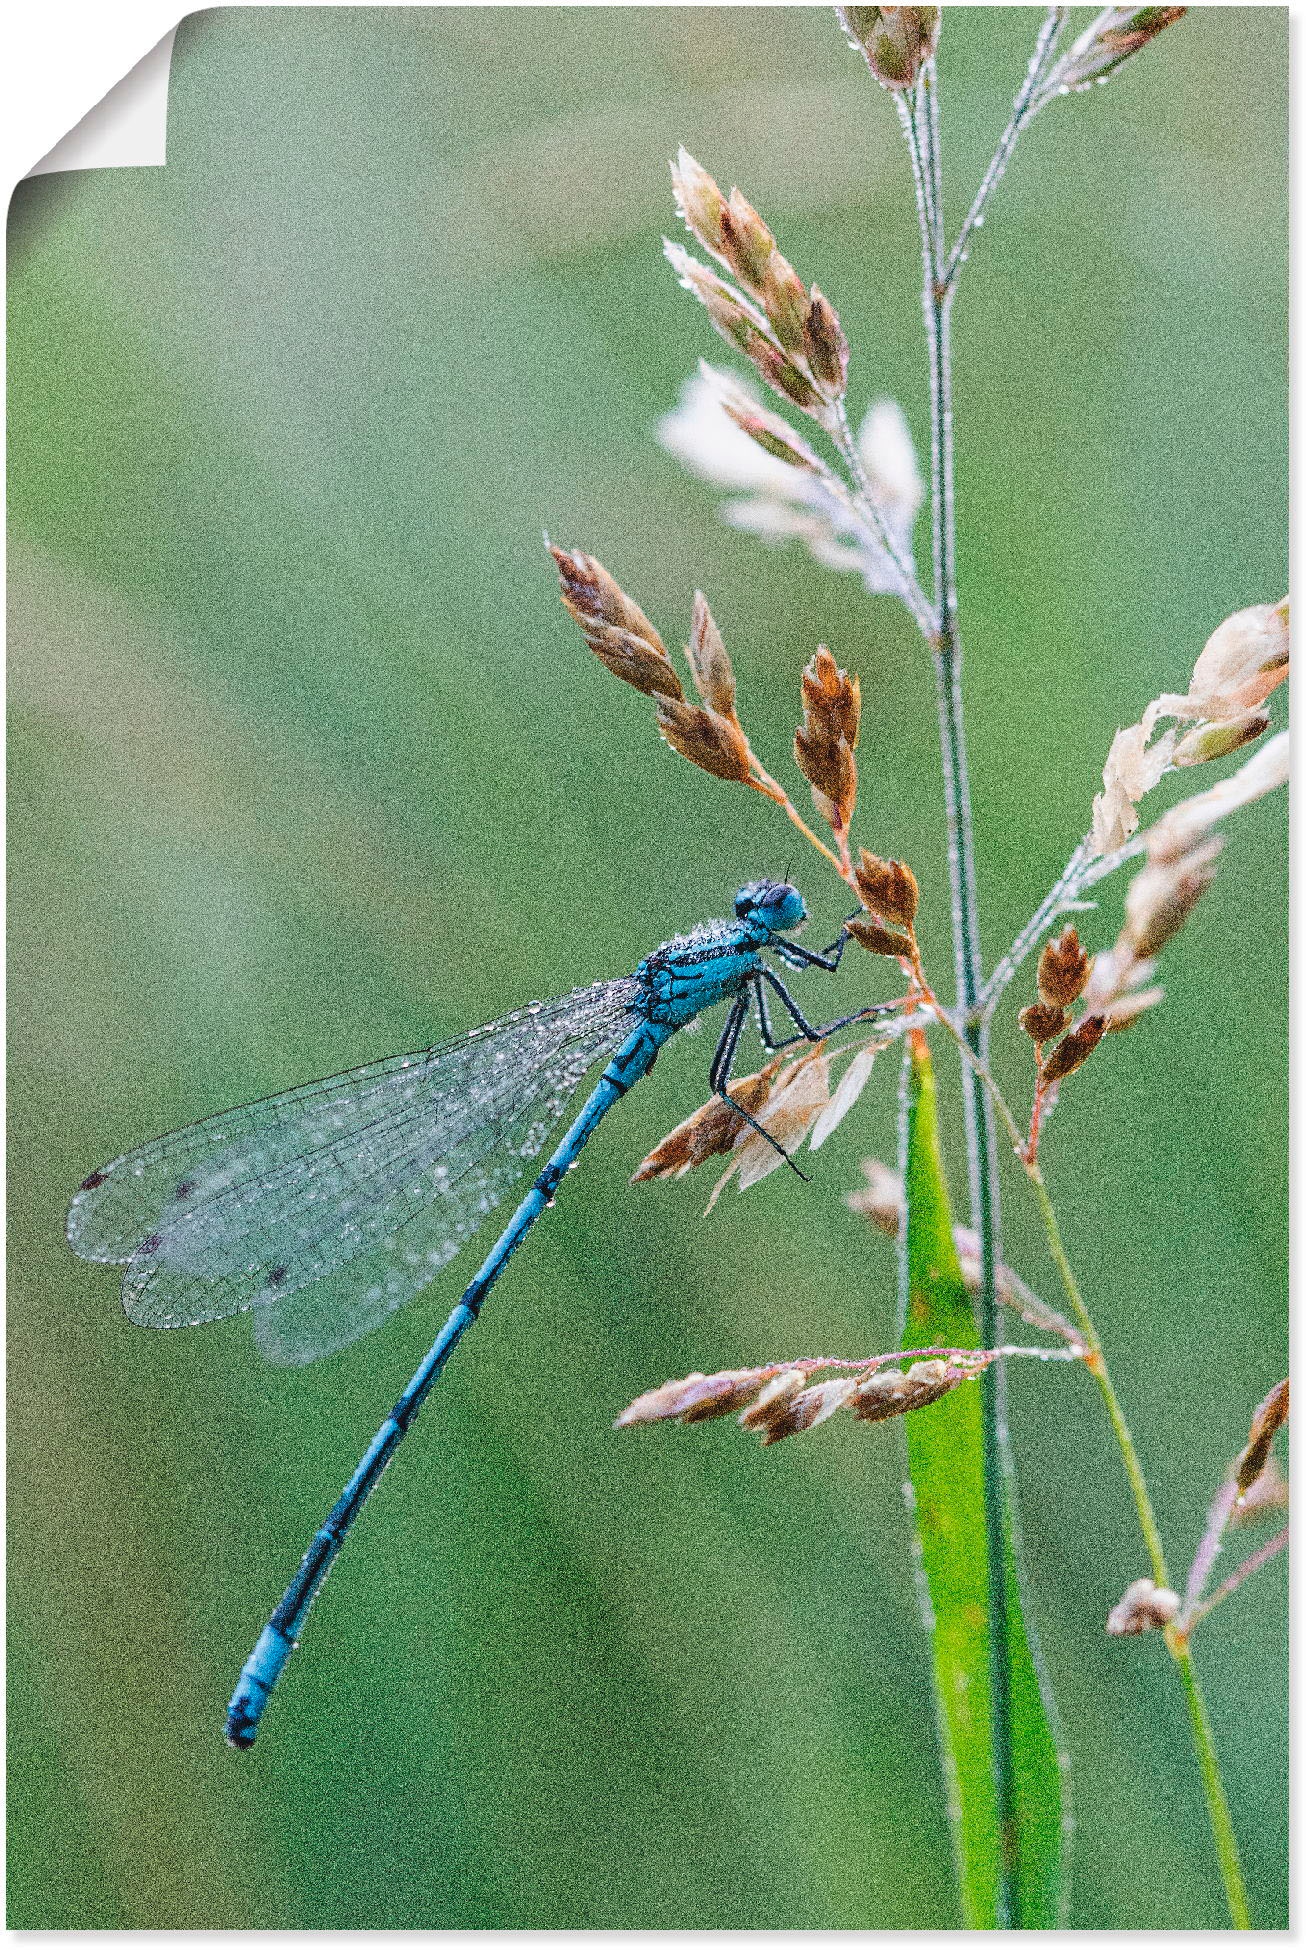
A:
(945, 1458)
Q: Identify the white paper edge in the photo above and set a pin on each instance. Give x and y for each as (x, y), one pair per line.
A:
(128, 129)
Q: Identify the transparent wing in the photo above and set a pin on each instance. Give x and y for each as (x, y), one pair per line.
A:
(259, 1202)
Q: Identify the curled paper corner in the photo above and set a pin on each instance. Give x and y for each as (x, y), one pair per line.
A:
(128, 128)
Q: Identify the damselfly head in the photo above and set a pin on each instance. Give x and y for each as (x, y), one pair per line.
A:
(776, 903)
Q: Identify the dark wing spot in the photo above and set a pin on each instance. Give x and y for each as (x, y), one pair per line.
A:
(150, 1245)
(276, 1275)
(89, 1184)
(184, 1188)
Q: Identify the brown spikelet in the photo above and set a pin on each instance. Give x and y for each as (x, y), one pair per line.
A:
(710, 1131)
(713, 743)
(1073, 1049)
(1041, 1021)
(825, 347)
(791, 1414)
(897, 41)
(1063, 970)
(714, 678)
(746, 243)
(770, 1406)
(891, 1392)
(1267, 1421)
(785, 302)
(879, 941)
(699, 200)
(616, 629)
(825, 742)
(888, 888)
(780, 372)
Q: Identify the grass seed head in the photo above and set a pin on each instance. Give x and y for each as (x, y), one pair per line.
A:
(825, 742)
(1145, 1607)
(897, 41)
(825, 347)
(699, 201)
(1074, 1049)
(714, 678)
(879, 941)
(1063, 969)
(616, 629)
(1042, 1021)
(1219, 739)
(713, 743)
(710, 1131)
(1161, 897)
(1266, 1423)
(888, 888)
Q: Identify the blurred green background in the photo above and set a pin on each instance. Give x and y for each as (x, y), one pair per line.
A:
(307, 766)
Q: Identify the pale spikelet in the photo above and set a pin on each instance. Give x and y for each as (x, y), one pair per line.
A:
(1131, 770)
(1243, 661)
(851, 1085)
(897, 41)
(714, 679)
(1266, 1423)
(697, 1397)
(724, 434)
(825, 742)
(799, 1095)
(1145, 1607)
(889, 457)
(1181, 828)
(1114, 36)
(1161, 898)
(1120, 987)
(710, 1131)
(880, 1199)
(713, 743)
(616, 629)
